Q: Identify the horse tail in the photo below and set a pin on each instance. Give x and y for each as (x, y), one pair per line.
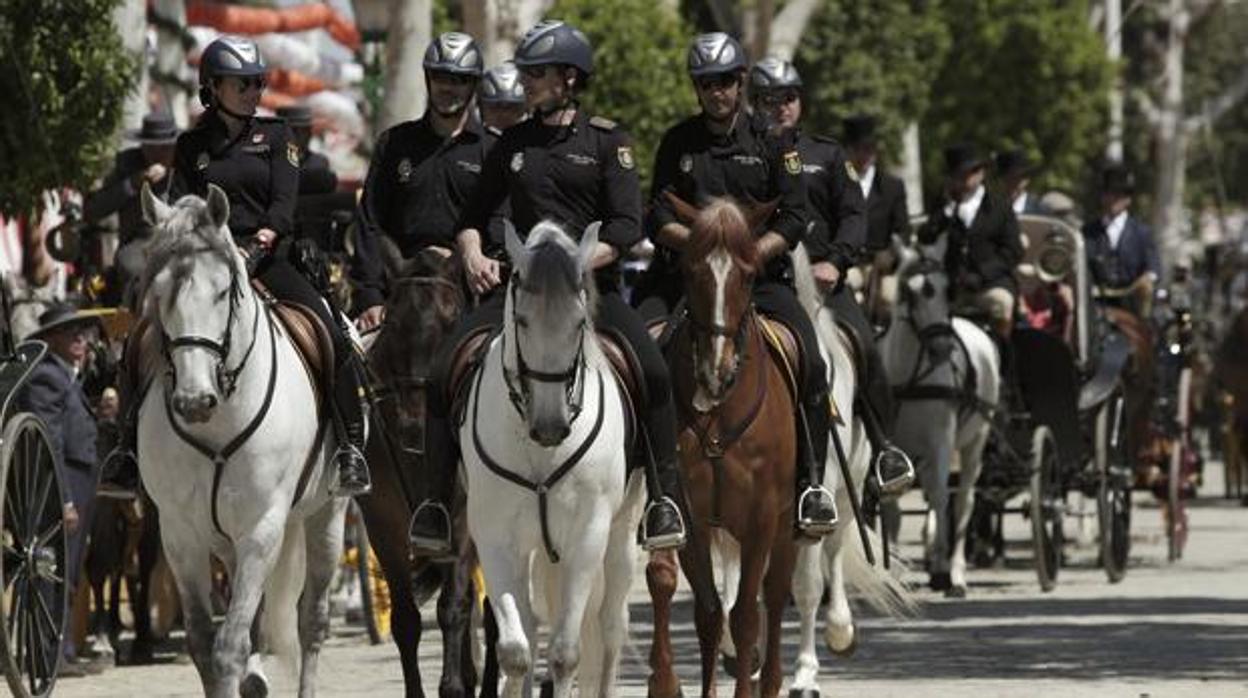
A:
(804, 281)
(279, 624)
(882, 589)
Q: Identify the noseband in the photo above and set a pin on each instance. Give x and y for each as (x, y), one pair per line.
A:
(570, 378)
(712, 330)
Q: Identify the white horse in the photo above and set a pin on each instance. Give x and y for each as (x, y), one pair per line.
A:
(839, 561)
(546, 472)
(955, 367)
(222, 455)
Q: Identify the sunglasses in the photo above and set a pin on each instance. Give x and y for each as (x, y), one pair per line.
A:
(536, 72)
(452, 78)
(252, 83)
(775, 99)
(717, 82)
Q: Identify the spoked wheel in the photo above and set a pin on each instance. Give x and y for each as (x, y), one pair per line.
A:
(1113, 500)
(1046, 507)
(32, 577)
(1176, 509)
(374, 594)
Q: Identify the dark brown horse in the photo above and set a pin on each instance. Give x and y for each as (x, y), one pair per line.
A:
(738, 453)
(1231, 372)
(425, 301)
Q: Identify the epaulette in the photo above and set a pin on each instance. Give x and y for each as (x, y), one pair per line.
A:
(826, 139)
(603, 123)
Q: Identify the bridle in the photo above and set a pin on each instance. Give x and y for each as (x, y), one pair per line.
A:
(926, 334)
(709, 331)
(571, 378)
(226, 378)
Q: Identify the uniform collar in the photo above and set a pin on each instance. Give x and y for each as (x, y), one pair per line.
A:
(219, 134)
(472, 128)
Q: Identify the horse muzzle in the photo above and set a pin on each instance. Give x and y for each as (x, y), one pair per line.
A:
(195, 408)
(549, 435)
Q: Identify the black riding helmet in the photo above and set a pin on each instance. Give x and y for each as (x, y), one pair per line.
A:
(774, 73)
(552, 42)
(501, 85)
(228, 55)
(714, 54)
(454, 52)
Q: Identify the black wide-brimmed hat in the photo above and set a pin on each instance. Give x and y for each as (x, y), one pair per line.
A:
(1117, 179)
(158, 129)
(1014, 163)
(61, 315)
(962, 159)
(858, 130)
(296, 115)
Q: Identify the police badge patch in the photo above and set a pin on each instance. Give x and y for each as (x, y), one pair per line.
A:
(517, 162)
(792, 163)
(849, 170)
(292, 154)
(405, 170)
(625, 155)
(201, 162)
(686, 163)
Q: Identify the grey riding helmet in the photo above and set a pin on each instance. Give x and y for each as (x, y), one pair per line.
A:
(454, 52)
(774, 73)
(553, 42)
(501, 86)
(228, 55)
(714, 54)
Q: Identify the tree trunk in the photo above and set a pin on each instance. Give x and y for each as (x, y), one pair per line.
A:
(1113, 45)
(789, 25)
(912, 168)
(130, 19)
(508, 20)
(1171, 138)
(170, 71)
(410, 33)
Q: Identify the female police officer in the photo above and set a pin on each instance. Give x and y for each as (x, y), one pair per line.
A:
(563, 166)
(256, 161)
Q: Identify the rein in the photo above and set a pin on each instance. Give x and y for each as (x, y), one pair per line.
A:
(962, 392)
(572, 378)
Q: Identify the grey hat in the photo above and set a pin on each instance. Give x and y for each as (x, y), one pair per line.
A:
(552, 42)
(715, 53)
(501, 85)
(454, 52)
(774, 73)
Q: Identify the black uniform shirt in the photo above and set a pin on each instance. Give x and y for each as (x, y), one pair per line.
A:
(838, 222)
(745, 164)
(315, 175)
(259, 171)
(419, 181)
(572, 175)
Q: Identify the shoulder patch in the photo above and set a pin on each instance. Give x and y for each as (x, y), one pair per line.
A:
(849, 170)
(792, 162)
(603, 123)
(292, 153)
(624, 154)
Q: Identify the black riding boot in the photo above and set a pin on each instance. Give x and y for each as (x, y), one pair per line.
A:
(663, 526)
(429, 532)
(892, 471)
(348, 406)
(816, 514)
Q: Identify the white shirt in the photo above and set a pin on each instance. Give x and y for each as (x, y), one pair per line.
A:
(866, 180)
(1114, 228)
(1020, 203)
(967, 210)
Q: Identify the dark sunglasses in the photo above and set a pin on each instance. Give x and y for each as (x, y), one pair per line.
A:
(717, 82)
(452, 78)
(536, 72)
(253, 83)
(775, 99)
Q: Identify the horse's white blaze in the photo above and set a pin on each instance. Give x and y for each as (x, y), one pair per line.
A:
(721, 263)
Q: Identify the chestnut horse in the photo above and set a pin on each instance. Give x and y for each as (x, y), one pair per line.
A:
(738, 451)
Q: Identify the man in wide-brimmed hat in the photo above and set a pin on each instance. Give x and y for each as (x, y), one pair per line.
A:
(151, 161)
(984, 245)
(1121, 251)
(1014, 171)
(55, 394)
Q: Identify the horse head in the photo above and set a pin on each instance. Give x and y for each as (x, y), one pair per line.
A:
(719, 264)
(192, 289)
(548, 323)
(923, 294)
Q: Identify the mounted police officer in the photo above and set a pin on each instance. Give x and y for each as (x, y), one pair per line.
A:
(724, 151)
(984, 245)
(315, 174)
(565, 166)
(256, 161)
(423, 171)
(835, 238)
(501, 97)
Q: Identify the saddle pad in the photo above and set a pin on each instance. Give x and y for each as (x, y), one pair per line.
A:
(311, 339)
(465, 358)
(787, 348)
(628, 376)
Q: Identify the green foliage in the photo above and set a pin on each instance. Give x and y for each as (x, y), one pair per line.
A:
(65, 77)
(871, 56)
(1030, 75)
(639, 80)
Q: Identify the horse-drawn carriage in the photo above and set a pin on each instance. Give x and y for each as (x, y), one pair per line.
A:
(33, 594)
(1061, 425)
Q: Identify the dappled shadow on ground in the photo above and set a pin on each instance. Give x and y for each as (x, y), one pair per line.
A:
(1139, 638)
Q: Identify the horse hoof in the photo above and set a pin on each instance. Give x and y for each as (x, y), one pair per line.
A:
(730, 664)
(680, 693)
(956, 591)
(940, 581)
(548, 689)
(254, 686)
(837, 646)
(804, 693)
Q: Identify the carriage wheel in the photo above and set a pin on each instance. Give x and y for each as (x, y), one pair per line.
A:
(33, 606)
(374, 594)
(1113, 500)
(1176, 510)
(1046, 506)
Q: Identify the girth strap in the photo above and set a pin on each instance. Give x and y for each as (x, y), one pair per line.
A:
(539, 488)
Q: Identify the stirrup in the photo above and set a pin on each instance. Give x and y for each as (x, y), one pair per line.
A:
(809, 526)
(667, 541)
(430, 546)
(897, 483)
(360, 482)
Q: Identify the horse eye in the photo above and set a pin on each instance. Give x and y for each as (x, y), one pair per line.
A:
(522, 323)
(928, 289)
(221, 296)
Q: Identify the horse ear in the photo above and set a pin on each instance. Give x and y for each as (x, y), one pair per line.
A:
(391, 258)
(757, 213)
(154, 210)
(685, 212)
(218, 206)
(589, 243)
(516, 251)
(936, 248)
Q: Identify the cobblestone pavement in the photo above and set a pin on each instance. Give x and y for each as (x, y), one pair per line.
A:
(1167, 630)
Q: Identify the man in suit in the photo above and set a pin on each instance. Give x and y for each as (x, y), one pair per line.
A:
(1121, 252)
(1014, 173)
(984, 245)
(886, 216)
(54, 394)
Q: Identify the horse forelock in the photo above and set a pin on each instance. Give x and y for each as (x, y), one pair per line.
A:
(722, 225)
(552, 273)
(189, 231)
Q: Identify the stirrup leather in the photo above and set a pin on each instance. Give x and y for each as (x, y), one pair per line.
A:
(671, 540)
(809, 526)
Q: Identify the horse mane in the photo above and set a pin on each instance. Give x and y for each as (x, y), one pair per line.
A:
(188, 230)
(722, 224)
(552, 273)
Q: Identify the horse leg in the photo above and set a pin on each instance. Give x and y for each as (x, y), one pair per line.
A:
(323, 532)
(776, 586)
(935, 475)
(708, 610)
(254, 558)
(744, 618)
(140, 598)
(807, 591)
(839, 633)
(454, 618)
(581, 567)
(489, 675)
(661, 580)
(189, 560)
(507, 573)
(619, 569)
(730, 570)
(971, 457)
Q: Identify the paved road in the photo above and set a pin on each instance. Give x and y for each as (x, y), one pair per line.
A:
(1167, 630)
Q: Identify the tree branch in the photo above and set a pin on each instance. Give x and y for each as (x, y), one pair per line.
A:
(1217, 107)
(1148, 108)
(789, 25)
